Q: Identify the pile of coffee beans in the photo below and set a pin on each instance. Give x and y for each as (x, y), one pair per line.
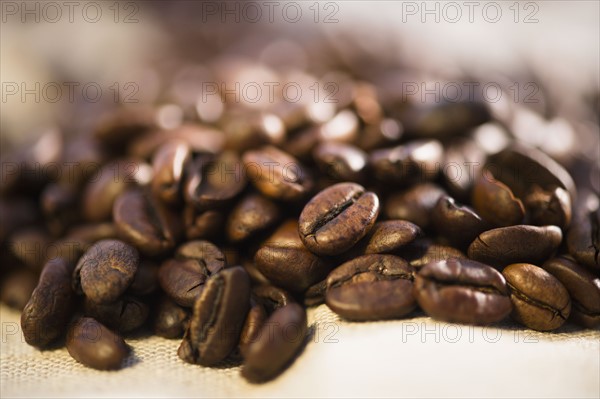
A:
(221, 233)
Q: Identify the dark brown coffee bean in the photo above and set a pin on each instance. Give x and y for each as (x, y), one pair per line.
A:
(143, 221)
(276, 174)
(371, 287)
(415, 204)
(423, 251)
(95, 346)
(271, 297)
(253, 214)
(183, 278)
(583, 287)
(337, 218)
(145, 281)
(462, 290)
(341, 162)
(126, 314)
(539, 300)
(385, 237)
(459, 224)
(414, 161)
(315, 294)
(45, 317)
(521, 243)
(214, 182)
(17, 287)
(583, 239)
(169, 164)
(218, 318)
(202, 224)
(30, 245)
(496, 203)
(284, 260)
(170, 319)
(106, 270)
(281, 338)
(59, 206)
(548, 207)
(251, 331)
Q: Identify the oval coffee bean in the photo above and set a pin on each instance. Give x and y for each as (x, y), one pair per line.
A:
(496, 203)
(387, 237)
(337, 218)
(341, 162)
(463, 291)
(284, 260)
(253, 214)
(126, 314)
(202, 224)
(414, 161)
(170, 319)
(315, 294)
(271, 297)
(458, 224)
(218, 318)
(254, 322)
(169, 164)
(145, 281)
(106, 270)
(414, 204)
(95, 346)
(277, 174)
(521, 243)
(371, 287)
(540, 301)
(45, 317)
(583, 287)
(276, 344)
(149, 225)
(17, 287)
(549, 207)
(422, 251)
(583, 240)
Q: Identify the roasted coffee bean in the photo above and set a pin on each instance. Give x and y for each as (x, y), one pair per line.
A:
(276, 174)
(341, 162)
(30, 245)
(250, 130)
(548, 207)
(583, 287)
(423, 251)
(183, 278)
(202, 224)
(143, 221)
(84, 155)
(125, 315)
(337, 218)
(463, 160)
(540, 301)
(463, 291)
(414, 161)
(45, 317)
(95, 346)
(218, 318)
(315, 294)
(385, 237)
(371, 287)
(59, 206)
(380, 134)
(521, 243)
(254, 322)
(17, 287)
(342, 128)
(459, 224)
(271, 297)
(251, 215)
(496, 203)
(280, 339)
(170, 320)
(583, 239)
(415, 204)
(169, 164)
(214, 182)
(145, 281)
(286, 262)
(106, 270)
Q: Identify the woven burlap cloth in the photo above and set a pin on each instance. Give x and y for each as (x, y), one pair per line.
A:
(417, 357)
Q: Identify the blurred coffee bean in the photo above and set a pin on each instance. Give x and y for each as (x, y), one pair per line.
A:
(515, 244)
(202, 224)
(250, 130)
(383, 133)
(125, 124)
(252, 327)
(341, 162)
(170, 163)
(459, 224)
(386, 237)
(16, 213)
(463, 162)
(546, 207)
(30, 246)
(59, 204)
(271, 297)
(496, 203)
(16, 288)
(170, 319)
(253, 214)
(583, 239)
(540, 301)
(423, 251)
(415, 161)
(145, 281)
(414, 204)
(315, 294)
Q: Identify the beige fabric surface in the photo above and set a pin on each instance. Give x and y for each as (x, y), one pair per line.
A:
(417, 357)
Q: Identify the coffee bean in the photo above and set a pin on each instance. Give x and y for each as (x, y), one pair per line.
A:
(106, 270)
(45, 317)
(141, 220)
(30, 245)
(95, 346)
(463, 291)
(169, 164)
(145, 281)
(371, 287)
(423, 251)
(90, 233)
(170, 320)
(583, 239)
(548, 207)
(281, 338)
(496, 203)
(60, 208)
(415, 204)
(284, 260)
(276, 174)
(252, 326)
(337, 218)
(459, 224)
(341, 162)
(271, 297)
(463, 160)
(583, 287)
(17, 287)
(183, 278)
(213, 182)
(218, 318)
(245, 130)
(126, 314)
(202, 224)
(540, 301)
(251, 215)
(16, 213)
(315, 294)
(414, 161)
(521, 243)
